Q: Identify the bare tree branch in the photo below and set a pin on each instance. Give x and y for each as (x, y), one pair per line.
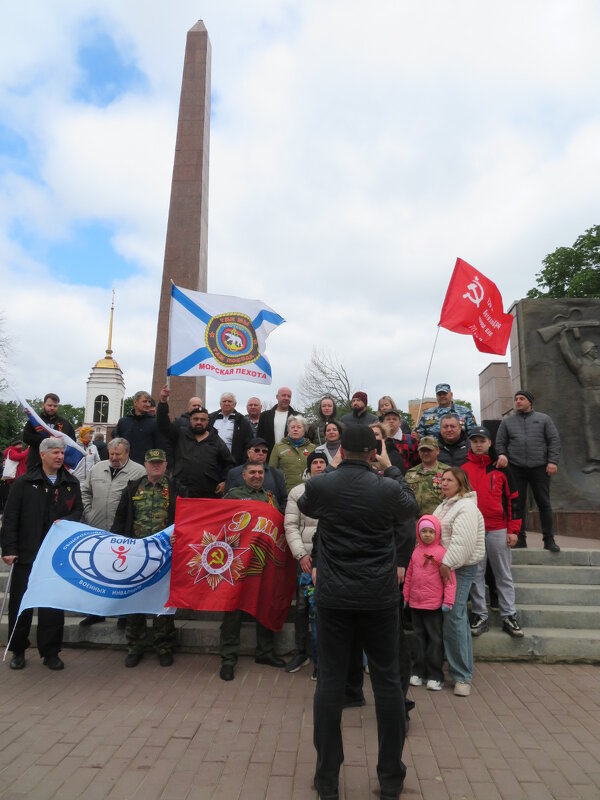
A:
(325, 374)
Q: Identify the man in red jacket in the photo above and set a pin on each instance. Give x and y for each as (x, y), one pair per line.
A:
(498, 501)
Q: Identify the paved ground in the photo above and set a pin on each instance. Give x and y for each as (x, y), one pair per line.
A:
(98, 730)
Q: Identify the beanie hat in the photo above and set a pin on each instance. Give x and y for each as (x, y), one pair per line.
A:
(526, 394)
(429, 521)
(358, 439)
(311, 457)
(360, 396)
(85, 429)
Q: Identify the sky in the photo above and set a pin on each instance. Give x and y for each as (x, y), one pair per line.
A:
(355, 152)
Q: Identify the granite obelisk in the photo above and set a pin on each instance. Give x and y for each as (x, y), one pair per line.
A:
(186, 249)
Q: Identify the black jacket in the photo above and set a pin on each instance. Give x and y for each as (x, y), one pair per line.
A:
(141, 432)
(34, 439)
(360, 540)
(266, 427)
(33, 505)
(124, 518)
(199, 466)
(242, 433)
(454, 455)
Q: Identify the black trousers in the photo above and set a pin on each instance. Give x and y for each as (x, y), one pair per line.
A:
(337, 632)
(51, 621)
(429, 637)
(539, 481)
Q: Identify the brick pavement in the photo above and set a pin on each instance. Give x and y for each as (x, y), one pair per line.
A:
(98, 730)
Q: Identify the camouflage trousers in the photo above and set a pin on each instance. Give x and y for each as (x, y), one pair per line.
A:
(163, 633)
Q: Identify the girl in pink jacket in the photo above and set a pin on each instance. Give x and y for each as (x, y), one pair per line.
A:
(428, 597)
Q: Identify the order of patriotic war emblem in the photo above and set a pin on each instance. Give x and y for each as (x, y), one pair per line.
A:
(231, 339)
(112, 566)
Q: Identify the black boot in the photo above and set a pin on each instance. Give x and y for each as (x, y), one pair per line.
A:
(550, 544)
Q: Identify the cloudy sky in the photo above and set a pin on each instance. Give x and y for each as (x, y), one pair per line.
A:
(356, 150)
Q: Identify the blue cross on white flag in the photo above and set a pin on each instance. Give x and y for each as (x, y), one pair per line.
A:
(220, 336)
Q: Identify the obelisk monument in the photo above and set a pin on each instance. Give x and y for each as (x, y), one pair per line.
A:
(187, 229)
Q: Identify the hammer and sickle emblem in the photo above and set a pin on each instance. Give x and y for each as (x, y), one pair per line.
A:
(477, 292)
(217, 558)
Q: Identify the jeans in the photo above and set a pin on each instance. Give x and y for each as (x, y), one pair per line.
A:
(539, 481)
(457, 631)
(499, 555)
(377, 630)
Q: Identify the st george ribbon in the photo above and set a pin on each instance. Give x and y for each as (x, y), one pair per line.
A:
(220, 336)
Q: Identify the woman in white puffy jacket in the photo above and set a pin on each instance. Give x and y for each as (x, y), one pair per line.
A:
(463, 536)
(299, 533)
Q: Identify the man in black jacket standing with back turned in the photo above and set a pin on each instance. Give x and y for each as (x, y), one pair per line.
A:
(355, 571)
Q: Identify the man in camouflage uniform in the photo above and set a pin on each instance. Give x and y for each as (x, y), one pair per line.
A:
(146, 507)
(229, 644)
(429, 424)
(426, 478)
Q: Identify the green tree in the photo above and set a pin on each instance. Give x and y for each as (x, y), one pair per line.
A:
(12, 422)
(74, 414)
(572, 271)
(127, 405)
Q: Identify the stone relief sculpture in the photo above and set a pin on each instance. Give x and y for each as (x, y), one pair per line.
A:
(586, 367)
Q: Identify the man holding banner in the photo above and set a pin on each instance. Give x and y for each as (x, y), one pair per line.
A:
(38, 498)
(34, 434)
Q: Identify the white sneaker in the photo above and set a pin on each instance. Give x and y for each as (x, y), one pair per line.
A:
(434, 686)
(462, 689)
(416, 681)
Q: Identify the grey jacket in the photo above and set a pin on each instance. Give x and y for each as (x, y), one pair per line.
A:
(528, 440)
(101, 493)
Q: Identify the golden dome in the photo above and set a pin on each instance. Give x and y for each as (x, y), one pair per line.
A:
(107, 362)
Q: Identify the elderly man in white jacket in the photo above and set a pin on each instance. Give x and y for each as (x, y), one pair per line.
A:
(299, 533)
(102, 489)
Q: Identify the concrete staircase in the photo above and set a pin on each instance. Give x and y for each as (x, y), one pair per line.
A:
(558, 604)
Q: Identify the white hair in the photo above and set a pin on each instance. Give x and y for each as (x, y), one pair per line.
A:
(298, 418)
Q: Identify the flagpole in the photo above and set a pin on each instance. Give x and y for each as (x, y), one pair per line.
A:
(427, 376)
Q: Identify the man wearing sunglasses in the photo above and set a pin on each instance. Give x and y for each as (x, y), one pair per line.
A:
(257, 454)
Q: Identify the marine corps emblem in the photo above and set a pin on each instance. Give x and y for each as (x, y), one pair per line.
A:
(231, 339)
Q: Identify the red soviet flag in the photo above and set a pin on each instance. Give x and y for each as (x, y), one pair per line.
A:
(232, 554)
(473, 305)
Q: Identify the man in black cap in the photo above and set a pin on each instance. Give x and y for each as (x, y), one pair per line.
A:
(355, 572)
(256, 453)
(528, 440)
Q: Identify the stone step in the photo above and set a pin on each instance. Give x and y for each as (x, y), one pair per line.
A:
(557, 616)
(538, 644)
(557, 594)
(530, 573)
(549, 645)
(567, 556)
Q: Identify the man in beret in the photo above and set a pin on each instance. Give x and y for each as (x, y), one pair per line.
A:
(528, 440)
(356, 577)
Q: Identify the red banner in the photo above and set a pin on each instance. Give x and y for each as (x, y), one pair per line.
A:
(473, 305)
(232, 554)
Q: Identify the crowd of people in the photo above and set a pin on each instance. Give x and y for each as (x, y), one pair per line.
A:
(383, 521)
